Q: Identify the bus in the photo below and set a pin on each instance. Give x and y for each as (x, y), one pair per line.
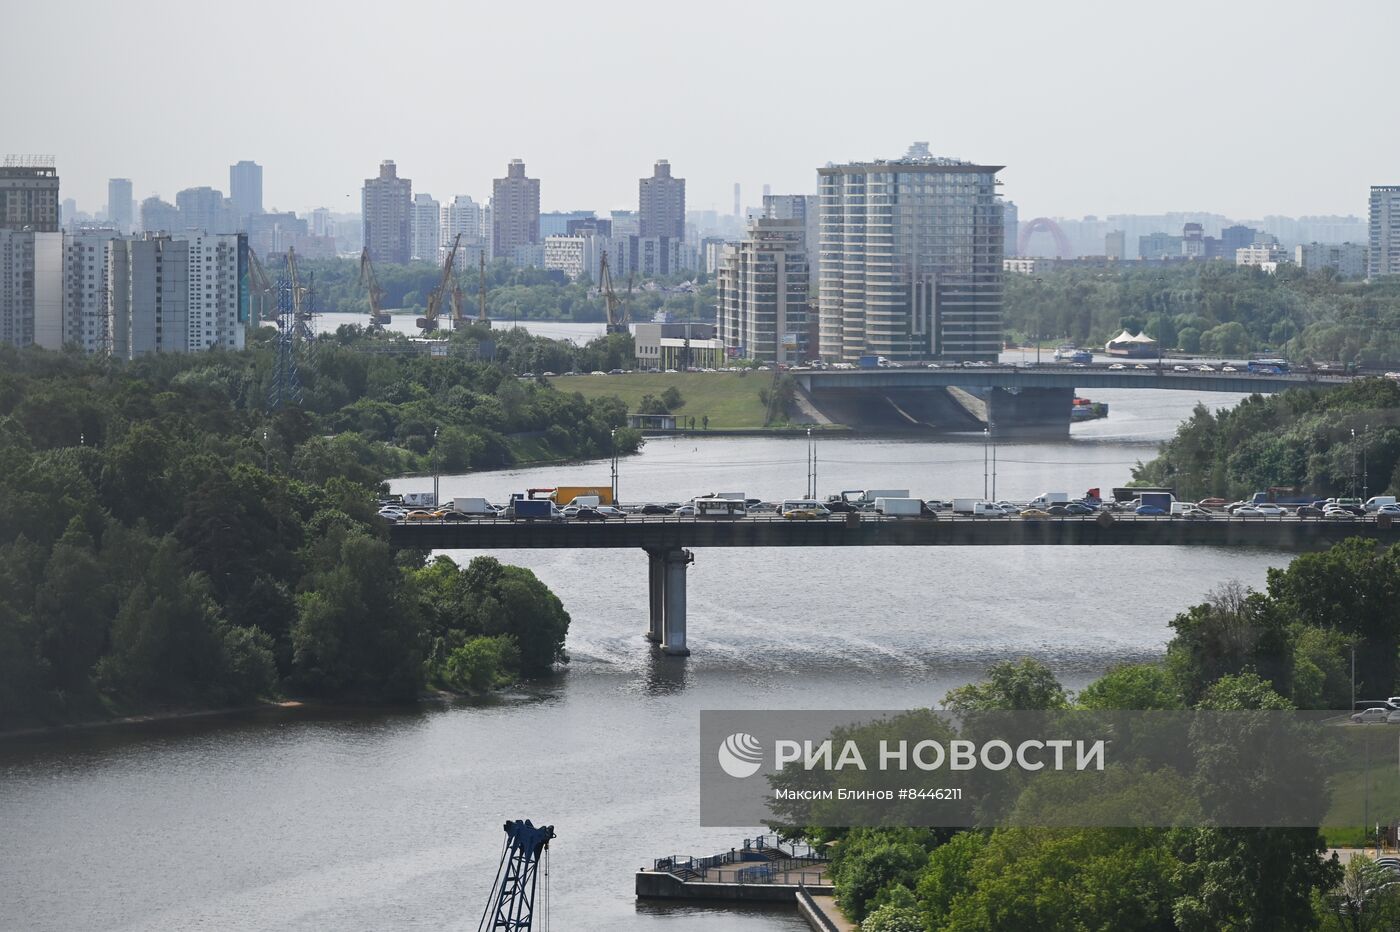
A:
(1267, 366)
(719, 507)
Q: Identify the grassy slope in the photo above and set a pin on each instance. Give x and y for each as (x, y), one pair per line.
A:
(730, 399)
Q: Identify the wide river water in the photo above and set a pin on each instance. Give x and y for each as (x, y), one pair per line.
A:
(373, 819)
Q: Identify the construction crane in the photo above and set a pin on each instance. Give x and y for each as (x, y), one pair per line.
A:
(617, 312)
(481, 317)
(302, 313)
(377, 317)
(261, 288)
(430, 321)
(511, 905)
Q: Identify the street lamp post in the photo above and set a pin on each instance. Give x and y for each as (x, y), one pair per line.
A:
(986, 441)
(811, 466)
(1039, 320)
(437, 465)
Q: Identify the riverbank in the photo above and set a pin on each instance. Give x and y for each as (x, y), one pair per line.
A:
(146, 719)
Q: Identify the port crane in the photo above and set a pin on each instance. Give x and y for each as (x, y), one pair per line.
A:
(261, 288)
(430, 321)
(377, 317)
(511, 905)
(302, 313)
(617, 310)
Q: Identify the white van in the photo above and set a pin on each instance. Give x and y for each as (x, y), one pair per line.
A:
(1376, 501)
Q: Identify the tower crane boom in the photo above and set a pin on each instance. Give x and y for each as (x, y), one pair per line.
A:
(377, 317)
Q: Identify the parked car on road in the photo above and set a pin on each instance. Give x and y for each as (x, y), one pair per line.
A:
(1370, 716)
(1150, 511)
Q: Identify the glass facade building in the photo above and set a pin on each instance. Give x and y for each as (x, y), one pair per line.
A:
(910, 259)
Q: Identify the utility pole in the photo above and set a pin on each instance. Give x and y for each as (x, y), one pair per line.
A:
(986, 440)
(437, 464)
(990, 428)
(811, 466)
(1039, 319)
(614, 465)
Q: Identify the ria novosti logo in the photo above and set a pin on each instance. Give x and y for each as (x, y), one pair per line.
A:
(741, 755)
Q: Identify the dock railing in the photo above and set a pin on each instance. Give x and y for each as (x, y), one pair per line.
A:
(774, 861)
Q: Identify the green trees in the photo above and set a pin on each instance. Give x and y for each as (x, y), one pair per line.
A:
(185, 548)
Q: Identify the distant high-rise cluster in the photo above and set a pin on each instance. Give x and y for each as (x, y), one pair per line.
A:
(515, 215)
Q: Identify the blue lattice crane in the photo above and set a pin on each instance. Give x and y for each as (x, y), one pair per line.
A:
(511, 906)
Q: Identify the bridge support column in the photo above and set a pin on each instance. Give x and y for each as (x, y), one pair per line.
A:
(673, 637)
(1031, 411)
(656, 594)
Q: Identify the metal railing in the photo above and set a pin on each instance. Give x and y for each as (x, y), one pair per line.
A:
(813, 911)
(863, 517)
(787, 862)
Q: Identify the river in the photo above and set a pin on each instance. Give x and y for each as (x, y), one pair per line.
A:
(408, 324)
(354, 820)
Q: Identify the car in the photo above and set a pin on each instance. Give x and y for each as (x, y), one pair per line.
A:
(654, 509)
(1032, 514)
(549, 375)
(1204, 369)
(931, 365)
(597, 372)
(1141, 366)
(614, 372)
(1078, 365)
(420, 515)
(1180, 369)
(1149, 511)
(1196, 514)
(1370, 716)
(1211, 503)
(1271, 510)
(1079, 508)
(1117, 365)
(527, 375)
(1362, 705)
(1392, 510)
(588, 514)
(840, 506)
(1010, 508)
(672, 371)
(1308, 511)
(768, 508)
(451, 515)
(1057, 511)
(1228, 369)
(610, 511)
(1247, 511)
(687, 510)
(1338, 514)
(390, 514)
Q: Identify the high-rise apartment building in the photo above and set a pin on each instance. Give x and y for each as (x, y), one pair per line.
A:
(762, 292)
(203, 209)
(427, 220)
(387, 208)
(31, 288)
(1115, 245)
(515, 206)
(159, 216)
(1384, 257)
(661, 203)
(911, 259)
(1348, 260)
(85, 299)
(179, 294)
(804, 207)
(29, 194)
(1011, 229)
(466, 218)
(245, 190)
(119, 204)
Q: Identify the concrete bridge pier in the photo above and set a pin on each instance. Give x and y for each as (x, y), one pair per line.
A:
(1040, 411)
(673, 636)
(656, 594)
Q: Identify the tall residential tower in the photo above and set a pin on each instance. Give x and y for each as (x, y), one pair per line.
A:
(1384, 258)
(387, 205)
(661, 203)
(515, 211)
(911, 252)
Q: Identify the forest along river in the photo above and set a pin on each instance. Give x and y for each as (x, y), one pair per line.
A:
(385, 820)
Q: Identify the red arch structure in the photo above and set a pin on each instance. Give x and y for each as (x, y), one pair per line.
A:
(1063, 250)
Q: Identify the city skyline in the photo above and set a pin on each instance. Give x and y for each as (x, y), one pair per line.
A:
(1137, 116)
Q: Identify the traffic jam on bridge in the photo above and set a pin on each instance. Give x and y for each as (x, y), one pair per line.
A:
(587, 504)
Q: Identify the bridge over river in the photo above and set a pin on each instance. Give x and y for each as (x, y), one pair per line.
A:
(1016, 398)
(667, 540)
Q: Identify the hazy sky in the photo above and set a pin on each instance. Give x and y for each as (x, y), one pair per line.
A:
(1244, 109)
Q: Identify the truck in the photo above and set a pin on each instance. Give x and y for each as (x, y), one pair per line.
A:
(732, 496)
(420, 499)
(1376, 501)
(565, 494)
(1162, 500)
(1046, 499)
(865, 498)
(899, 507)
(472, 506)
(532, 509)
(872, 362)
(1283, 495)
(977, 508)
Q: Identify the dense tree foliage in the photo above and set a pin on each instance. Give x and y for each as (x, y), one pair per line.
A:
(1214, 308)
(1286, 647)
(1338, 441)
(167, 542)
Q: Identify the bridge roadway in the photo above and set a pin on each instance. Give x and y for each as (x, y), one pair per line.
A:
(667, 539)
(1063, 376)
